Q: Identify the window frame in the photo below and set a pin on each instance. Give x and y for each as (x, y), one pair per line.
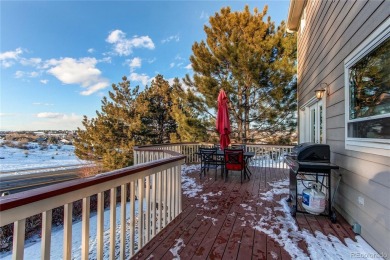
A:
(367, 145)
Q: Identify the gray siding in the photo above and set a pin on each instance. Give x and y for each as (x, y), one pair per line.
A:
(332, 31)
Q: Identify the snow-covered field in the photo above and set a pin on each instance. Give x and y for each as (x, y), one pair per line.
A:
(14, 159)
(320, 246)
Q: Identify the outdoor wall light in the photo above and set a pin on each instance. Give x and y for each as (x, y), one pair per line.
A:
(321, 92)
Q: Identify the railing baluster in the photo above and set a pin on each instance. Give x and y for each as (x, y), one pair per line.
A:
(132, 217)
(141, 212)
(123, 221)
(100, 225)
(164, 198)
(68, 212)
(46, 234)
(169, 191)
(147, 204)
(112, 222)
(178, 173)
(154, 205)
(18, 240)
(159, 200)
(85, 228)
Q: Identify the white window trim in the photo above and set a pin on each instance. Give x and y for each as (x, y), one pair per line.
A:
(366, 145)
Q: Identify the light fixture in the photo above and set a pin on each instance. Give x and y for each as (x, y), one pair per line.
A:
(320, 92)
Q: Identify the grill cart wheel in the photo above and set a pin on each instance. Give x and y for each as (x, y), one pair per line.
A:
(294, 211)
(333, 217)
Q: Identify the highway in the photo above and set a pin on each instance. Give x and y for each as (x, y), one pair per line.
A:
(18, 181)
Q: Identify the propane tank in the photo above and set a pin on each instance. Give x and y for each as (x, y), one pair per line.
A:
(313, 199)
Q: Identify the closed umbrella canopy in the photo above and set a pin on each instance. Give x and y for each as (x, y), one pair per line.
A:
(223, 122)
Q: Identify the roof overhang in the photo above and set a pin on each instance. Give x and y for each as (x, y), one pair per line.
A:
(294, 14)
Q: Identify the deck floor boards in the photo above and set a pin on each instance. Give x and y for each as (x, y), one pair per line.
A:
(218, 222)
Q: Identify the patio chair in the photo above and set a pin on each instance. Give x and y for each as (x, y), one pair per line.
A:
(234, 161)
(243, 147)
(209, 160)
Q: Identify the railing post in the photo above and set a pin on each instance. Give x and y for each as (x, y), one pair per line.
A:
(85, 228)
(100, 225)
(46, 234)
(18, 240)
(112, 222)
(68, 211)
(123, 221)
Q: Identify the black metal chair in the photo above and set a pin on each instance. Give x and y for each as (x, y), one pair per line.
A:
(243, 147)
(234, 161)
(209, 160)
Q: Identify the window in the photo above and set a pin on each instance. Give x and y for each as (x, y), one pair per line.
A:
(367, 94)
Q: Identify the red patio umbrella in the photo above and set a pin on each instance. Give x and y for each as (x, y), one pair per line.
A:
(223, 122)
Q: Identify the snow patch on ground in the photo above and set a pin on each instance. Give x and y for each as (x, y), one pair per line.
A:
(176, 248)
(189, 186)
(283, 229)
(15, 159)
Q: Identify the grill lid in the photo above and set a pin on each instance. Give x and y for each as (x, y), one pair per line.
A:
(311, 152)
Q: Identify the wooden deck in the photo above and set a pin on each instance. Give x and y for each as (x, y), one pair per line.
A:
(230, 220)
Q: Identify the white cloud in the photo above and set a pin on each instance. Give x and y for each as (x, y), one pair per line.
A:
(8, 58)
(189, 66)
(94, 88)
(172, 65)
(91, 50)
(7, 114)
(175, 38)
(135, 63)
(49, 115)
(34, 62)
(143, 78)
(81, 71)
(21, 74)
(50, 120)
(44, 81)
(42, 104)
(204, 16)
(124, 46)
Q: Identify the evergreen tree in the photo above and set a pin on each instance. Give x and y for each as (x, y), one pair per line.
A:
(191, 126)
(109, 138)
(154, 107)
(255, 63)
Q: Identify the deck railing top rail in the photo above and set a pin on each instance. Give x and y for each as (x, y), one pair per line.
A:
(27, 197)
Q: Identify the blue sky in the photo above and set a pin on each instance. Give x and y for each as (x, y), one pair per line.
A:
(59, 58)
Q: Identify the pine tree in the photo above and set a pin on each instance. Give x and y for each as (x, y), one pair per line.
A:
(255, 63)
(191, 126)
(154, 107)
(109, 138)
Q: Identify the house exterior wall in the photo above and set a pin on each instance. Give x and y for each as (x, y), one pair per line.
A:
(328, 32)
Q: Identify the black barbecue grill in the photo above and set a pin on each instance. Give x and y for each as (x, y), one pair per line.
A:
(310, 161)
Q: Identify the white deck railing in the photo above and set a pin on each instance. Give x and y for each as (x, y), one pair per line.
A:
(147, 182)
(267, 156)
(153, 186)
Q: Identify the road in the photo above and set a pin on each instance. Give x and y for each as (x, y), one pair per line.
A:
(27, 180)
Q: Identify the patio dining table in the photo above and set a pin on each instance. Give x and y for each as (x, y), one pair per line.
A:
(247, 157)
